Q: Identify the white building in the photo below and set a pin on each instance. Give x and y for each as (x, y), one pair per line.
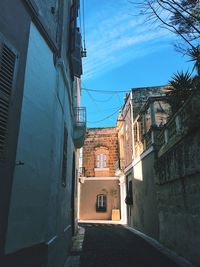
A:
(40, 216)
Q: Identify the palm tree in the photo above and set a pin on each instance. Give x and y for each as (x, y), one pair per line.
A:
(194, 54)
(181, 87)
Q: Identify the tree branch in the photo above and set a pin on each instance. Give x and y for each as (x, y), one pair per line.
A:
(169, 25)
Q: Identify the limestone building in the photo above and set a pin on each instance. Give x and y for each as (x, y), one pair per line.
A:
(41, 127)
(100, 190)
(142, 115)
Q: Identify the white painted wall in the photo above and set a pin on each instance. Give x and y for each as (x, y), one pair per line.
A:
(40, 206)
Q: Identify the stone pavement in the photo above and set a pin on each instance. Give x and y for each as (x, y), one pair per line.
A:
(111, 245)
(74, 258)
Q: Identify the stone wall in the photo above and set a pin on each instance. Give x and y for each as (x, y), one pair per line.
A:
(178, 185)
(97, 138)
(100, 152)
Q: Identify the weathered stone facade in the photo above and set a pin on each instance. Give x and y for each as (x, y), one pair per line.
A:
(178, 182)
(98, 139)
(162, 180)
(100, 152)
(137, 157)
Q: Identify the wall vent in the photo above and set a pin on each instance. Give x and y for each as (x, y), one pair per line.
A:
(7, 68)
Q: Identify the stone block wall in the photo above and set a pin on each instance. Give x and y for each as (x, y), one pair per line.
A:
(98, 138)
(178, 189)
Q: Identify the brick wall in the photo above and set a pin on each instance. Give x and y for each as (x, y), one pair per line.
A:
(99, 139)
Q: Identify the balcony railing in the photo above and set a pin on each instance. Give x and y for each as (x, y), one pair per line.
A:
(147, 139)
(185, 119)
(80, 116)
(79, 126)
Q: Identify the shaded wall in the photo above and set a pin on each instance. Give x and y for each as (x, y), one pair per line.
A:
(16, 36)
(178, 178)
(40, 211)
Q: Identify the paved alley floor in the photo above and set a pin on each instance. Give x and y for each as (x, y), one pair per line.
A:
(116, 246)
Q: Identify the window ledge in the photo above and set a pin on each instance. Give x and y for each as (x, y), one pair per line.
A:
(101, 169)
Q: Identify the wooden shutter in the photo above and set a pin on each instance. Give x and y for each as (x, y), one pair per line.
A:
(7, 69)
(98, 161)
(76, 55)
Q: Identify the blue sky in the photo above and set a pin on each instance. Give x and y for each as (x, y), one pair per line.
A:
(123, 52)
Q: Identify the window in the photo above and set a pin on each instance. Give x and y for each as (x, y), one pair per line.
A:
(101, 158)
(8, 59)
(64, 163)
(101, 203)
(129, 196)
(101, 161)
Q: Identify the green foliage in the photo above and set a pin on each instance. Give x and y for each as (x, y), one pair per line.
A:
(194, 54)
(181, 88)
(181, 17)
(186, 17)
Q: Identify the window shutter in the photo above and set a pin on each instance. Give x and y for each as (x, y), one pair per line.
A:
(98, 161)
(76, 55)
(7, 69)
(104, 161)
(101, 205)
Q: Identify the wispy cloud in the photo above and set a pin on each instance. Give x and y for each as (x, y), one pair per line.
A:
(115, 38)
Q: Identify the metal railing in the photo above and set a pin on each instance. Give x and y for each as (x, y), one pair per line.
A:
(182, 120)
(80, 116)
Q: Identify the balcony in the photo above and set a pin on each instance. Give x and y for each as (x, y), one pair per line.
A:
(183, 122)
(79, 126)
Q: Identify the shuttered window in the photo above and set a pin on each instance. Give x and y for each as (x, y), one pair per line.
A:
(101, 161)
(7, 69)
(101, 203)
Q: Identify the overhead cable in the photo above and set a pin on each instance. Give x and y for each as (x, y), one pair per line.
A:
(104, 118)
(104, 91)
(98, 100)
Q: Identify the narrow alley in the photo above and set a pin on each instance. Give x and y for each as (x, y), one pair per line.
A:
(109, 245)
(99, 133)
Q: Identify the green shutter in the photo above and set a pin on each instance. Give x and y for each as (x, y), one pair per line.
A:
(7, 68)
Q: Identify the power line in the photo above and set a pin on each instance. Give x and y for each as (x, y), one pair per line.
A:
(104, 91)
(104, 118)
(103, 110)
(98, 100)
